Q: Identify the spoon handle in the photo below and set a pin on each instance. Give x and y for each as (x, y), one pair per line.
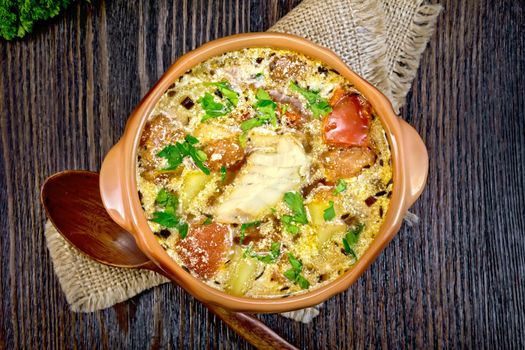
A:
(247, 326)
(251, 329)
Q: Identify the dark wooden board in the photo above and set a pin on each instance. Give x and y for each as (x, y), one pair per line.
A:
(455, 280)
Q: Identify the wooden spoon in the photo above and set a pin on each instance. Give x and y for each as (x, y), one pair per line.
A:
(72, 202)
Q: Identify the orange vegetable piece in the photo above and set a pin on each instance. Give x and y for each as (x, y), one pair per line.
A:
(344, 163)
(205, 248)
(338, 94)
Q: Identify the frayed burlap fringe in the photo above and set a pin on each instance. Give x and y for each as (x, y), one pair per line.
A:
(405, 42)
(354, 30)
(382, 40)
(303, 315)
(91, 286)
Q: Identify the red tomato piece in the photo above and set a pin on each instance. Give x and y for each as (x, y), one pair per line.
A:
(348, 123)
(205, 248)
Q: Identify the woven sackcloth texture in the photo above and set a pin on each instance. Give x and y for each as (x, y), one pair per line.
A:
(381, 40)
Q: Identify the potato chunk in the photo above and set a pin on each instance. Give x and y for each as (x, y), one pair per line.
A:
(243, 273)
(193, 182)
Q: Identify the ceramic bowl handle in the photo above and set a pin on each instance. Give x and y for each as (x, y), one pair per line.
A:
(111, 187)
(416, 156)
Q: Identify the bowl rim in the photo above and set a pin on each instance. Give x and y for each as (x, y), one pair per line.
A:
(146, 240)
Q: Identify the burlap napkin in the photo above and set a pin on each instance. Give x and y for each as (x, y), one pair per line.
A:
(381, 40)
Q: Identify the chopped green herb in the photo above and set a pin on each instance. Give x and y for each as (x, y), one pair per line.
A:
(292, 229)
(294, 274)
(284, 108)
(182, 227)
(318, 105)
(265, 112)
(303, 282)
(351, 238)
(192, 140)
(252, 123)
(340, 187)
(223, 173)
(246, 226)
(296, 264)
(165, 219)
(271, 257)
(167, 200)
(227, 91)
(208, 220)
(287, 221)
(329, 213)
(168, 218)
(248, 251)
(259, 75)
(174, 154)
(295, 203)
(242, 138)
(290, 274)
(212, 108)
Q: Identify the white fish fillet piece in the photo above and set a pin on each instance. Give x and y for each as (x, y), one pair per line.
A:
(274, 168)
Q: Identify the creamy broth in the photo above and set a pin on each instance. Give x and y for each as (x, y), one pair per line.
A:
(264, 173)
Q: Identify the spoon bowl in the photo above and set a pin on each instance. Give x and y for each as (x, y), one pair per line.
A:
(73, 204)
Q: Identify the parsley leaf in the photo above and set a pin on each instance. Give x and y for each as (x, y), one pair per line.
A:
(167, 200)
(351, 238)
(246, 226)
(271, 257)
(296, 264)
(294, 274)
(223, 173)
(318, 105)
(295, 203)
(288, 225)
(265, 111)
(303, 282)
(252, 123)
(227, 91)
(212, 108)
(168, 218)
(208, 220)
(340, 187)
(329, 213)
(165, 219)
(174, 154)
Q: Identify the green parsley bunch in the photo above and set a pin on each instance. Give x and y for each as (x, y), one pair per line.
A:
(17, 17)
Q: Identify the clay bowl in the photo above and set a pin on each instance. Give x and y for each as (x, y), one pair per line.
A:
(119, 189)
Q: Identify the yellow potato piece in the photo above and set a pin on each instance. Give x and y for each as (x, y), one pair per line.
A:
(324, 233)
(243, 274)
(325, 230)
(193, 183)
(316, 210)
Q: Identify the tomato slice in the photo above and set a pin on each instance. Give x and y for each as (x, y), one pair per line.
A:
(205, 248)
(348, 123)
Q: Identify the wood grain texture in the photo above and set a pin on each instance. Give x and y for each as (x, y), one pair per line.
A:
(456, 280)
